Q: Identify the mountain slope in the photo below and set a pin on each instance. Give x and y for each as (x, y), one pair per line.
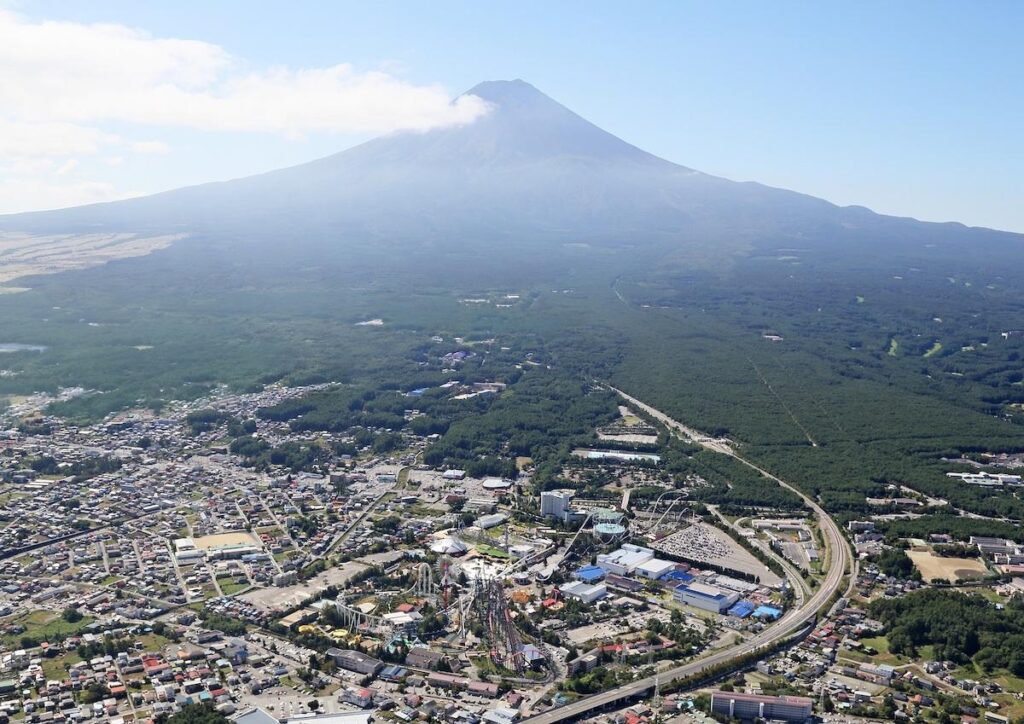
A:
(530, 171)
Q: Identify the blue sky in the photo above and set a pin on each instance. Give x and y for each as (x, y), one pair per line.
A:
(911, 108)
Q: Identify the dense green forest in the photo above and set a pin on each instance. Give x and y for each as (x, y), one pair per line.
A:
(960, 527)
(883, 368)
(895, 563)
(960, 628)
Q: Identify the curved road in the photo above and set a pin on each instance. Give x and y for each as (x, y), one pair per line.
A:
(796, 619)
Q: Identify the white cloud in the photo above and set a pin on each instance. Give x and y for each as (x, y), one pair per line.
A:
(67, 167)
(34, 194)
(77, 73)
(63, 85)
(150, 147)
(22, 139)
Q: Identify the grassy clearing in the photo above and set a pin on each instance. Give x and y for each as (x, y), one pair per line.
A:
(152, 642)
(878, 643)
(1010, 683)
(491, 551)
(45, 625)
(230, 587)
(988, 594)
(934, 349)
(884, 655)
(57, 668)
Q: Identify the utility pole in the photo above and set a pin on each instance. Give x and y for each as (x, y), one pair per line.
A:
(656, 702)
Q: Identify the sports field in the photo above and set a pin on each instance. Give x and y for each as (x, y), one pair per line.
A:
(225, 540)
(932, 566)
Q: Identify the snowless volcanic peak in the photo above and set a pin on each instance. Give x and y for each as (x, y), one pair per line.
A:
(528, 176)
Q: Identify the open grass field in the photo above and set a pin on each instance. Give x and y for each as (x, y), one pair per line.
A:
(153, 641)
(491, 551)
(885, 655)
(230, 588)
(44, 625)
(932, 566)
(56, 668)
(878, 643)
(25, 254)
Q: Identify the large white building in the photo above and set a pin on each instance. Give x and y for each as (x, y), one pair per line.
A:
(753, 706)
(625, 560)
(490, 521)
(655, 568)
(705, 597)
(583, 591)
(556, 503)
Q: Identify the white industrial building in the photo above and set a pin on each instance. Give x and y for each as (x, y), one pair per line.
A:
(625, 560)
(449, 545)
(584, 591)
(490, 521)
(655, 568)
(748, 707)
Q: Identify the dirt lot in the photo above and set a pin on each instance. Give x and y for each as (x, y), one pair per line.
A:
(951, 569)
(225, 540)
(628, 437)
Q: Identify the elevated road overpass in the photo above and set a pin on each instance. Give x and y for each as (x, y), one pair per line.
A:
(796, 620)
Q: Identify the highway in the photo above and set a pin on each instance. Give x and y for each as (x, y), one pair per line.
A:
(838, 557)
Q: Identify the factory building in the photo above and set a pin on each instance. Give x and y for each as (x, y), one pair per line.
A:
(625, 560)
(583, 591)
(356, 661)
(655, 569)
(704, 597)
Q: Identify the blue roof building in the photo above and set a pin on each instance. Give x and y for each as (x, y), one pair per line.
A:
(393, 673)
(590, 574)
(680, 576)
(707, 598)
(767, 612)
(742, 609)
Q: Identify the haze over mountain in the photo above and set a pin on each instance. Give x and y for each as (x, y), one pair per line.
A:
(530, 172)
